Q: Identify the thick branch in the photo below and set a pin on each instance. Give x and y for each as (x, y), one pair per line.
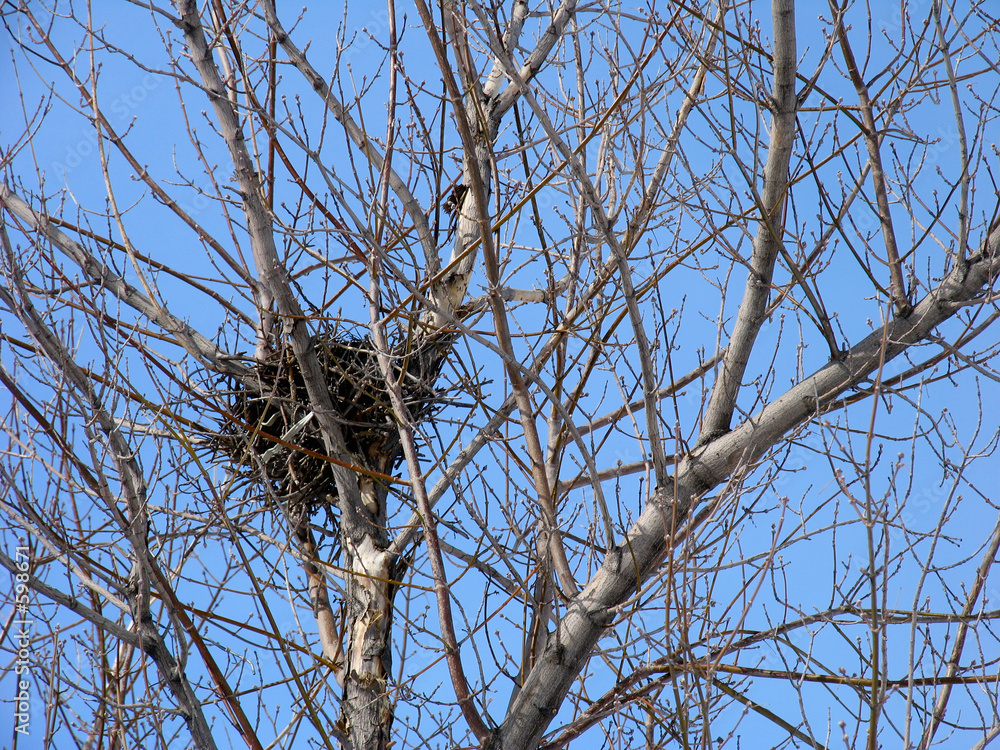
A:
(195, 343)
(629, 565)
(536, 59)
(768, 241)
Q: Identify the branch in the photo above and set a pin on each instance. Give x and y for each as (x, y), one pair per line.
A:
(606, 227)
(405, 429)
(642, 553)
(536, 59)
(205, 351)
(133, 489)
(411, 529)
(897, 287)
(354, 132)
(961, 632)
(553, 544)
(73, 604)
(963, 148)
(637, 223)
(141, 171)
(272, 274)
(768, 241)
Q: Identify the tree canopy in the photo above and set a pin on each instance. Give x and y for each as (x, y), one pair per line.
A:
(500, 374)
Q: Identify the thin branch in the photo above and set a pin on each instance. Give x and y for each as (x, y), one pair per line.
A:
(963, 149)
(897, 287)
(605, 226)
(354, 132)
(194, 342)
(974, 589)
(405, 429)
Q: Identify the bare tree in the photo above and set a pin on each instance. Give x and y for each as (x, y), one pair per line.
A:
(501, 374)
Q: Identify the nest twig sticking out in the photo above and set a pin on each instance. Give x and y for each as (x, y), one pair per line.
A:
(281, 408)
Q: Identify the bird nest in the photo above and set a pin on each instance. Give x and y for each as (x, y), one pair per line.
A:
(274, 436)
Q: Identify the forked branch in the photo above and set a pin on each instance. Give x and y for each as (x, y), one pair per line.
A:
(630, 564)
(768, 240)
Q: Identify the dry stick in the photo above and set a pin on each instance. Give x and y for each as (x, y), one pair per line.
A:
(722, 402)
(411, 530)
(449, 287)
(897, 287)
(879, 642)
(636, 228)
(272, 127)
(872, 696)
(530, 373)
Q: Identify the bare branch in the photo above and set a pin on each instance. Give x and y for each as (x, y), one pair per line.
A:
(897, 288)
(631, 563)
(193, 341)
(770, 230)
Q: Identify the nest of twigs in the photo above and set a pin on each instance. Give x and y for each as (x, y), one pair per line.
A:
(275, 438)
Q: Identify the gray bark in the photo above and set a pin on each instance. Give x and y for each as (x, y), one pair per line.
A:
(768, 240)
(631, 563)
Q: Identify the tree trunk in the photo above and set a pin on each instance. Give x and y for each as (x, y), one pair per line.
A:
(366, 707)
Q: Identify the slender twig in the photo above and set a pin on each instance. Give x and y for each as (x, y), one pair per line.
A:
(406, 430)
(897, 286)
(963, 149)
